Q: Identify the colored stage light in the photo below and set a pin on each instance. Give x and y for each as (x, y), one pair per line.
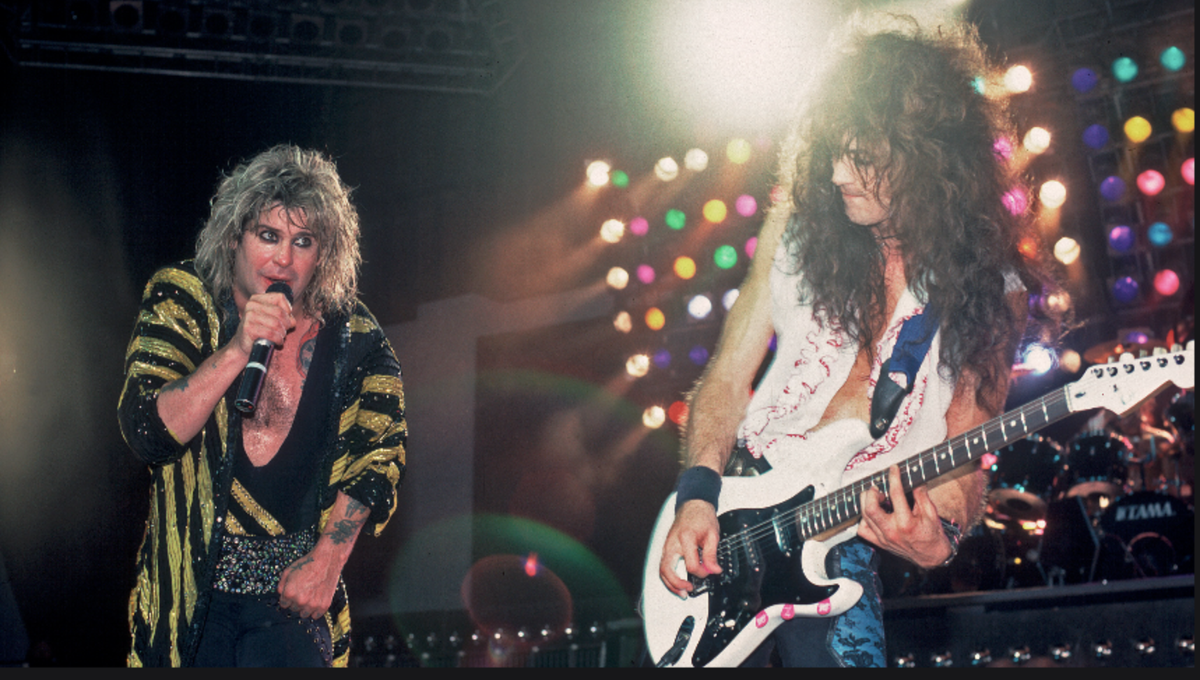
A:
(695, 160)
(746, 205)
(685, 267)
(1096, 136)
(1166, 282)
(637, 365)
(1028, 247)
(1112, 188)
(639, 226)
(612, 231)
(1172, 58)
(1057, 302)
(1138, 129)
(1084, 79)
(715, 211)
(751, 246)
(654, 417)
(645, 274)
(675, 219)
(597, 173)
(655, 319)
(1070, 361)
(738, 151)
(1066, 250)
(619, 179)
(1160, 234)
(1003, 148)
(1016, 201)
(980, 84)
(1037, 140)
(666, 169)
(623, 322)
(698, 355)
(1184, 120)
(662, 358)
(1018, 79)
(699, 307)
(729, 298)
(1188, 171)
(1125, 289)
(618, 278)
(1124, 69)
(1121, 238)
(725, 257)
(1151, 182)
(1053, 194)
(678, 412)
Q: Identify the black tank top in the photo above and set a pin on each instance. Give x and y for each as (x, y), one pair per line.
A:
(286, 487)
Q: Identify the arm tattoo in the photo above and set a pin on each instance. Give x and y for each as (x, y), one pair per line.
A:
(301, 563)
(177, 385)
(346, 529)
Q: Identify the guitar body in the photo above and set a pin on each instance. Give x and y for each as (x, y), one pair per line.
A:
(766, 580)
(777, 529)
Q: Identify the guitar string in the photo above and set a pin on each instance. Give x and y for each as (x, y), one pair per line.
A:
(741, 540)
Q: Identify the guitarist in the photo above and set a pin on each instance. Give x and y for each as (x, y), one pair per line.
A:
(895, 207)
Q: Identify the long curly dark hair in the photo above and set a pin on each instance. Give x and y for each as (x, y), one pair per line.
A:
(909, 104)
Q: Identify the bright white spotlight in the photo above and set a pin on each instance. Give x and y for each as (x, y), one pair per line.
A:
(1067, 250)
(623, 322)
(1018, 79)
(618, 278)
(729, 298)
(638, 365)
(654, 417)
(1053, 194)
(699, 307)
(598, 173)
(666, 169)
(1037, 140)
(1038, 359)
(695, 160)
(612, 231)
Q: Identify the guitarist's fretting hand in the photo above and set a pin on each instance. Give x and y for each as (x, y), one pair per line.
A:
(693, 537)
(914, 533)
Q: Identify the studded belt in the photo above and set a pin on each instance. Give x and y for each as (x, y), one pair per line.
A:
(252, 565)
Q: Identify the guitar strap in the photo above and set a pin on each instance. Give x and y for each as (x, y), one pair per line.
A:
(916, 335)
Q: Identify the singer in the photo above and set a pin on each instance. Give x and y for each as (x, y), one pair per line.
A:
(254, 512)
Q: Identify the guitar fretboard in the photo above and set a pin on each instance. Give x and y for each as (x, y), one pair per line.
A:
(833, 510)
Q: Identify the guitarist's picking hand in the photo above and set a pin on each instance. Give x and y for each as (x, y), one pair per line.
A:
(914, 533)
(693, 538)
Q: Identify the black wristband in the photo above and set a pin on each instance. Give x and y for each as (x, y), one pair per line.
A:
(698, 483)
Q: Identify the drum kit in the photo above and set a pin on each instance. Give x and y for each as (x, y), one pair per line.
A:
(1114, 502)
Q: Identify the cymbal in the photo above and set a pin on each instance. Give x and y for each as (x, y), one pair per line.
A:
(1099, 354)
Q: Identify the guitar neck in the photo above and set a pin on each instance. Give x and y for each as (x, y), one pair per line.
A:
(841, 506)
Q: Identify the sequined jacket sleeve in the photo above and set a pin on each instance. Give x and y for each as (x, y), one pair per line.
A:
(174, 333)
(372, 433)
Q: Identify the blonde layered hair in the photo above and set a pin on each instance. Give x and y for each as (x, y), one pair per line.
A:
(296, 179)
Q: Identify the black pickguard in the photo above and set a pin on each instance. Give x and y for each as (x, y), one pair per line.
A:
(756, 573)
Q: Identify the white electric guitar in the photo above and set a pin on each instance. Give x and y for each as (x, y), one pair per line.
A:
(776, 529)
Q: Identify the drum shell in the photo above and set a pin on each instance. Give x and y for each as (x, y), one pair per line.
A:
(1096, 464)
(1152, 532)
(1026, 476)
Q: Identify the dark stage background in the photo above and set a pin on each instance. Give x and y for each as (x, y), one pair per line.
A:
(105, 176)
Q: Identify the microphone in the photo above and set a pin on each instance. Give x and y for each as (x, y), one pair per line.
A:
(260, 359)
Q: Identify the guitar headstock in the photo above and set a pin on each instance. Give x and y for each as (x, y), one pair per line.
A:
(1121, 385)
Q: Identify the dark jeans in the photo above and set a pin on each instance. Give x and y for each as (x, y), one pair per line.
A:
(800, 643)
(248, 631)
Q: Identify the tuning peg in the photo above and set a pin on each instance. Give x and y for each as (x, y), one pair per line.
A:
(1161, 350)
(1112, 359)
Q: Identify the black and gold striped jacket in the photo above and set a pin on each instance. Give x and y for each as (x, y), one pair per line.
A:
(179, 325)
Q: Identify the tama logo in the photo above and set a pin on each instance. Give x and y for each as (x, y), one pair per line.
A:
(1147, 511)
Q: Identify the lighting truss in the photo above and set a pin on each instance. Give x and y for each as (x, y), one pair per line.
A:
(463, 46)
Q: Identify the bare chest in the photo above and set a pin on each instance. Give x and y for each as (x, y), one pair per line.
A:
(264, 432)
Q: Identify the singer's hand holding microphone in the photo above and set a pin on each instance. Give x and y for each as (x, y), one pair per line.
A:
(266, 322)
